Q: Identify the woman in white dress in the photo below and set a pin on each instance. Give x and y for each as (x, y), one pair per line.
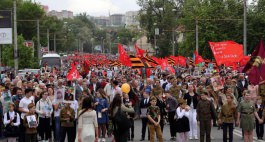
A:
(87, 130)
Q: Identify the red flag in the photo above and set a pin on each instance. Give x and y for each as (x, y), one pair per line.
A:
(148, 72)
(164, 63)
(255, 68)
(244, 61)
(227, 51)
(139, 52)
(73, 74)
(197, 58)
(124, 58)
(180, 60)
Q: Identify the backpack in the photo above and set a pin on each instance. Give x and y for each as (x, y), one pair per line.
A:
(121, 121)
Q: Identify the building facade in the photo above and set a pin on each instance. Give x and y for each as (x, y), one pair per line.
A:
(64, 14)
(131, 19)
(117, 20)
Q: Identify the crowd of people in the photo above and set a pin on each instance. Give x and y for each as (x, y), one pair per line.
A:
(48, 107)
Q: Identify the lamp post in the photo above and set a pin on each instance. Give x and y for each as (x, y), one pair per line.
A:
(15, 37)
(92, 43)
(245, 28)
(173, 42)
(197, 35)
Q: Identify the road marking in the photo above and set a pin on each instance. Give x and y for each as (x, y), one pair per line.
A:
(239, 133)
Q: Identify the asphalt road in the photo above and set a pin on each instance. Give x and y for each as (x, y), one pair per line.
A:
(215, 133)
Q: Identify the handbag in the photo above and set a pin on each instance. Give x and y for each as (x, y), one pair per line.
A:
(121, 121)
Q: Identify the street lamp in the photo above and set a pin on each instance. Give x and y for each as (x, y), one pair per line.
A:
(156, 33)
(102, 44)
(245, 28)
(92, 42)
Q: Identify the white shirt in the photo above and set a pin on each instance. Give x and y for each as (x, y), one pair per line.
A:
(182, 113)
(44, 106)
(108, 89)
(94, 86)
(11, 116)
(24, 102)
(162, 82)
(58, 111)
(146, 100)
(243, 82)
(74, 106)
(116, 90)
(168, 86)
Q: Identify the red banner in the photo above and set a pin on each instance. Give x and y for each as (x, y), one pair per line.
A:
(244, 61)
(73, 74)
(139, 52)
(255, 68)
(180, 60)
(227, 51)
(124, 58)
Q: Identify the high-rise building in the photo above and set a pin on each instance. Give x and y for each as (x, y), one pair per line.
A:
(64, 14)
(131, 19)
(102, 21)
(117, 20)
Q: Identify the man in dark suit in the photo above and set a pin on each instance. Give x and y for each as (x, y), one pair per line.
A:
(94, 85)
(145, 103)
(242, 84)
(79, 88)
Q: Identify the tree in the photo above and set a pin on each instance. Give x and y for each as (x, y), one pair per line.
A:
(27, 11)
(25, 56)
(160, 14)
(217, 21)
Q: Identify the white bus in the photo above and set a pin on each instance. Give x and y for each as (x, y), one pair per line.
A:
(52, 60)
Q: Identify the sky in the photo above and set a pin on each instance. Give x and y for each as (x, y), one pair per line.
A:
(92, 7)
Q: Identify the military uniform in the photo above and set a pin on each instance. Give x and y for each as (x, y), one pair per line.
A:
(247, 119)
(67, 124)
(156, 91)
(174, 91)
(227, 117)
(205, 113)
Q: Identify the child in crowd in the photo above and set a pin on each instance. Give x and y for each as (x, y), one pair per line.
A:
(153, 115)
(30, 123)
(101, 106)
(259, 127)
(183, 126)
(12, 122)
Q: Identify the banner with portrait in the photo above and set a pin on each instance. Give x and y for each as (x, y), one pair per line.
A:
(59, 95)
(69, 95)
(217, 83)
(32, 121)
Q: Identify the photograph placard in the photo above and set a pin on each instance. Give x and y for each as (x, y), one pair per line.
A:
(32, 121)
(143, 113)
(69, 95)
(196, 73)
(217, 83)
(59, 95)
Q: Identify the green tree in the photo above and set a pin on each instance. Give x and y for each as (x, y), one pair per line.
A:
(217, 21)
(27, 11)
(6, 4)
(160, 14)
(25, 56)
